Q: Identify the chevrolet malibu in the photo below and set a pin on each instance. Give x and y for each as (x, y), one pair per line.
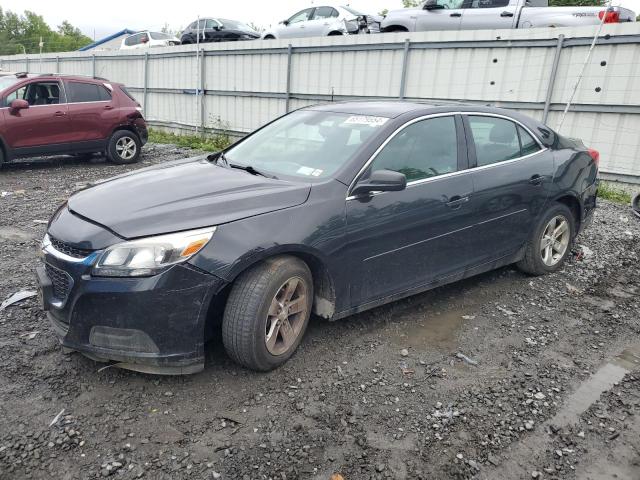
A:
(329, 210)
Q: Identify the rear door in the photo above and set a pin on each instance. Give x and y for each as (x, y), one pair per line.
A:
(488, 14)
(92, 110)
(512, 179)
(44, 126)
(401, 240)
(322, 21)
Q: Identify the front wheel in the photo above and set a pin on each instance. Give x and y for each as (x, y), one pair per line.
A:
(124, 147)
(550, 242)
(268, 312)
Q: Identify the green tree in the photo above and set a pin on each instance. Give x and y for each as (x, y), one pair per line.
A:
(410, 3)
(25, 33)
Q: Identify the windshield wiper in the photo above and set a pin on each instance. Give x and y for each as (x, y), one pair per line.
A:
(250, 169)
(220, 157)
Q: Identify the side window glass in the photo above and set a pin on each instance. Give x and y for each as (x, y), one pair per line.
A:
(424, 149)
(302, 16)
(86, 92)
(19, 94)
(335, 13)
(496, 139)
(527, 144)
(488, 3)
(322, 13)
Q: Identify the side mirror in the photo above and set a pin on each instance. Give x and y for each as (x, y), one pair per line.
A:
(285, 22)
(432, 5)
(381, 181)
(19, 104)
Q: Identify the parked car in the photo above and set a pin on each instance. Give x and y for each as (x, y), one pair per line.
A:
(331, 209)
(495, 14)
(63, 115)
(324, 21)
(217, 30)
(149, 39)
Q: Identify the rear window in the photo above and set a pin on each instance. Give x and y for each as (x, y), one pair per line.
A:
(87, 92)
(126, 92)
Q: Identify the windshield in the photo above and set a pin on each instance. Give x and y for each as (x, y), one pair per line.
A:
(160, 36)
(352, 11)
(6, 82)
(306, 144)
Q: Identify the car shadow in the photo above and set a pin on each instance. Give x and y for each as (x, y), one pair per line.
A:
(55, 161)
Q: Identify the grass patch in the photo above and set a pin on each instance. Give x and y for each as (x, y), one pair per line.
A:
(205, 142)
(607, 192)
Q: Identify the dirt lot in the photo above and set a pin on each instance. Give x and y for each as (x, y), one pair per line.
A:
(499, 376)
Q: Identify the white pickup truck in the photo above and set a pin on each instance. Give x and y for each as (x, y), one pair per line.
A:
(494, 14)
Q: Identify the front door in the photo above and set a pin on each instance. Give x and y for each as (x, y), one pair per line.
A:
(297, 25)
(512, 179)
(400, 240)
(45, 123)
(488, 14)
(447, 16)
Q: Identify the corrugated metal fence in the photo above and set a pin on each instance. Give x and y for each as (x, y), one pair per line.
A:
(240, 86)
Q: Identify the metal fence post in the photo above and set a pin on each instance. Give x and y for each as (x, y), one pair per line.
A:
(288, 93)
(26, 64)
(203, 102)
(93, 65)
(146, 83)
(552, 78)
(405, 65)
(57, 64)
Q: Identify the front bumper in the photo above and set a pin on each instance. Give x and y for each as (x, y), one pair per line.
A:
(153, 325)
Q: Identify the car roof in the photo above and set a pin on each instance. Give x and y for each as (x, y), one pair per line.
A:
(389, 109)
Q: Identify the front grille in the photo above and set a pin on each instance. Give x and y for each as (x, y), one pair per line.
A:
(68, 249)
(60, 280)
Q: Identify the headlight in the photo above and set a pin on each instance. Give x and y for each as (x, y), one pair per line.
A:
(148, 256)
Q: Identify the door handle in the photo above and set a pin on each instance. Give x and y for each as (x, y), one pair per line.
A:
(456, 201)
(506, 14)
(326, 24)
(455, 14)
(59, 114)
(108, 107)
(536, 179)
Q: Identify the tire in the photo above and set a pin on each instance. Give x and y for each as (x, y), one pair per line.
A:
(124, 147)
(534, 262)
(269, 37)
(635, 203)
(252, 310)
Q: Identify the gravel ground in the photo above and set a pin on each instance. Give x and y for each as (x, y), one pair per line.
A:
(498, 376)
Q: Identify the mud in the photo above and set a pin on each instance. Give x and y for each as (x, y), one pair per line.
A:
(554, 390)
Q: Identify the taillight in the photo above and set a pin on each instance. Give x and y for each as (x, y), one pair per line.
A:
(610, 16)
(595, 154)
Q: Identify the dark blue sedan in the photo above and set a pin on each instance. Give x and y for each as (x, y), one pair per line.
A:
(330, 210)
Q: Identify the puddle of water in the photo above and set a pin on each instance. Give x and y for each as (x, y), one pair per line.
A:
(591, 389)
(438, 330)
(16, 235)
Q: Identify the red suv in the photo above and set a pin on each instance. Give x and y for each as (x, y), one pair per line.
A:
(66, 115)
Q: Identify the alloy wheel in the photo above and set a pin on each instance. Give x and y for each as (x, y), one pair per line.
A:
(126, 148)
(555, 240)
(286, 316)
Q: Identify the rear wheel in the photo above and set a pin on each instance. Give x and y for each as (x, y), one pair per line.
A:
(124, 147)
(269, 37)
(267, 313)
(635, 204)
(550, 242)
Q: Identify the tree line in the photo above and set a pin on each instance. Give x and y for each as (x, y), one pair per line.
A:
(24, 34)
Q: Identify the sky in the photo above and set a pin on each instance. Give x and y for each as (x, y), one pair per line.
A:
(99, 19)
(112, 16)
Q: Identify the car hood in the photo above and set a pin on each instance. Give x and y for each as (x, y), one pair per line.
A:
(182, 195)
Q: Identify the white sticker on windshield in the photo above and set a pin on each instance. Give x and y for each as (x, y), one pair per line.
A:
(306, 170)
(366, 120)
(317, 172)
